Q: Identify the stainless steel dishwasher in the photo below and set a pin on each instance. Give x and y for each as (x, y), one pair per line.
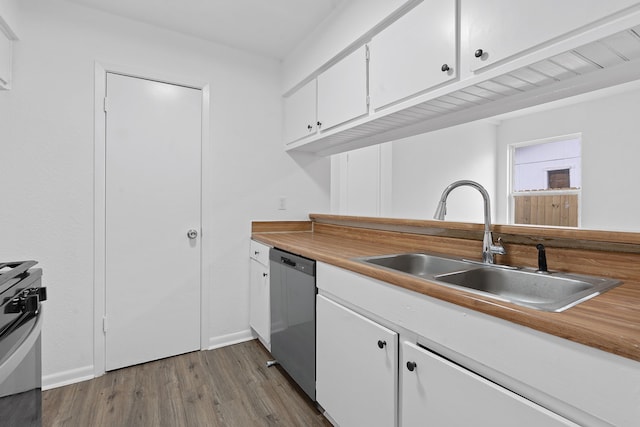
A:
(293, 317)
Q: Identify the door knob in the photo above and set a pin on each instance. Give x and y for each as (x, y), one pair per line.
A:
(192, 234)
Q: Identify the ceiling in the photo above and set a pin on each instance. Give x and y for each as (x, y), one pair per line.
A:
(270, 28)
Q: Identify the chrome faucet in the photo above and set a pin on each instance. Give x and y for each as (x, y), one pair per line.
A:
(488, 248)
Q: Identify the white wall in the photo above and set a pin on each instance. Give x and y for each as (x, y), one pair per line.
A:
(46, 137)
(424, 165)
(361, 181)
(421, 167)
(9, 14)
(610, 149)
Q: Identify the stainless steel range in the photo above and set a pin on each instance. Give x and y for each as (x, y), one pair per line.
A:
(21, 292)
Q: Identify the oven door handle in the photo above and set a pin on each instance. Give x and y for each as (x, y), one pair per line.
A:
(12, 362)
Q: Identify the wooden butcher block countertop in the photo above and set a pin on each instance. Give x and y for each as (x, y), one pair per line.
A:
(609, 322)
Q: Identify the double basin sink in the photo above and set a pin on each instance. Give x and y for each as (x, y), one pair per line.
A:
(526, 287)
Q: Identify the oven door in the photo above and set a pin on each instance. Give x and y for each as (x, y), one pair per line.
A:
(21, 376)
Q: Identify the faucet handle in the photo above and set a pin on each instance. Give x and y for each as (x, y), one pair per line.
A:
(498, 248)
(542, 259)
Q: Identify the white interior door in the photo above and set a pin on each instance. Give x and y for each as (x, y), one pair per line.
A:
(153, 197)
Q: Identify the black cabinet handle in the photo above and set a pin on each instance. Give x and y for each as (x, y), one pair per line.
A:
(411, 366)
(479, 53)
(445, 68)
(381, 343)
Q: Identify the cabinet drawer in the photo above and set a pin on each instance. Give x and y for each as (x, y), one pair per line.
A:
(259, 252)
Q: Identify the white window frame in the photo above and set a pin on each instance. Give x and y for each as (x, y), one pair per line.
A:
(511, 150)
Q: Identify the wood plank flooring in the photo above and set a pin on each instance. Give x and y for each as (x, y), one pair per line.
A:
(230, 386)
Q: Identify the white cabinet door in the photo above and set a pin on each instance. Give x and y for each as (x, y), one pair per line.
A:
(259, 293)
(498, 29)
(437, 392)
(5, 60)
(300, 113)
(356, 367)
(415, 53)
(342, 90)
(259, 314)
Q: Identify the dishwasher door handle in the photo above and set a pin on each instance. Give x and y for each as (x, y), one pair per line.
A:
(287, 261)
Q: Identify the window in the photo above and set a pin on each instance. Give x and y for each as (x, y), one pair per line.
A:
(559, 179)
(546, 181)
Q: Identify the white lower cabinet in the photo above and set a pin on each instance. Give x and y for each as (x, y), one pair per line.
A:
(356, 367)
(476, 371)
(438, 392)
(259, 301)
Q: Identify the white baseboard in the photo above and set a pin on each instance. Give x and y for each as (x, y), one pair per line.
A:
(71, 376)
(229, 339)
(85, 373)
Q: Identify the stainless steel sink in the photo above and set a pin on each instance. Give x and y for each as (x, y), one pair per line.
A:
(522, 286)
(548, 292)
(419, 264)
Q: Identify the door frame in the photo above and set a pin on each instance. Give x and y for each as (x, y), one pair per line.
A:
(99, 215)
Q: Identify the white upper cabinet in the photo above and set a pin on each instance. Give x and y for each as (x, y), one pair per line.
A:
(342, 90)
(438, 63)
(493, 30)
(415, 53)
(300, 113)
(5, 60)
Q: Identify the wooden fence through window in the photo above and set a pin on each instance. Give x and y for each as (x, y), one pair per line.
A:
(546, 209)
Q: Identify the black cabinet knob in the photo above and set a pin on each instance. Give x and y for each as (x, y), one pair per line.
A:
(264, 274)
(445, 68)
(381, 343)
(411, 366)
(319, 124)
(309, 127)
(479, 53)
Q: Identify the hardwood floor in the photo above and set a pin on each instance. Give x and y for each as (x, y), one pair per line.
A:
(229, 386)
